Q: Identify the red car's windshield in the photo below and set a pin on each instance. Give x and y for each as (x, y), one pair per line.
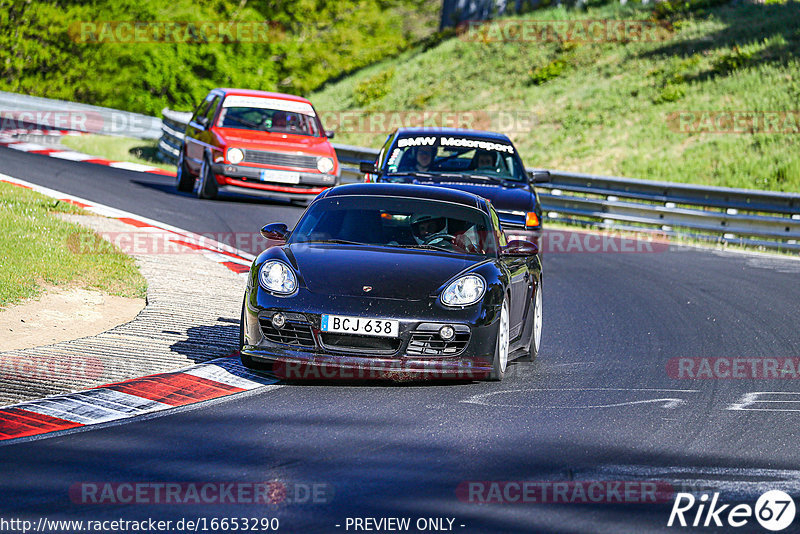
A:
(269, 115)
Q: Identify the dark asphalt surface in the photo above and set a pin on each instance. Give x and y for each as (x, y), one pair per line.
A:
(597, 404)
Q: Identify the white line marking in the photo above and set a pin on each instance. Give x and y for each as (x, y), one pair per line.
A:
(242, 379)
(27, 147)
(120, 401)
(749, 399)
(670, 403)
(63, 407)
(72, 156)
(129, 166)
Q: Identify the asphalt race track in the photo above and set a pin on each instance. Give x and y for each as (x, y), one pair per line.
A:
(597, 405)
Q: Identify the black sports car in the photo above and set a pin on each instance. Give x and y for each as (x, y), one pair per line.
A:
(392, 281)
(484, 163)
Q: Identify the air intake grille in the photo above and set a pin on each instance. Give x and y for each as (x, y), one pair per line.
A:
(280, 159)
(365, 344)
(294, 333)
(431, 344)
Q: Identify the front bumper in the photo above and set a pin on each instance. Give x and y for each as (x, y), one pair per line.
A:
(305, 352)
(246, 179)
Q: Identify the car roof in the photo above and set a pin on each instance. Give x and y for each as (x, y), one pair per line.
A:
(426, 192)
(261, 94)
(456, 132)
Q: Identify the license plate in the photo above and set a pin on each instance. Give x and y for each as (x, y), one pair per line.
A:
(359, 325)
(280, 177)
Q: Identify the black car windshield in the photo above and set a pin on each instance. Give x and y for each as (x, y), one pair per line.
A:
(423, 155)
(397, 222)
(269, 115)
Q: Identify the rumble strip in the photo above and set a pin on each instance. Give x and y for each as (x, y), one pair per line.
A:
(34, 148)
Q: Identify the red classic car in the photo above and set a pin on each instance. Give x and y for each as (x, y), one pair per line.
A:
(256, 143)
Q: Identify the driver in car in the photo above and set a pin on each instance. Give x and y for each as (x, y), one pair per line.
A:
(427, 229)
(424, 158)
(484, 160)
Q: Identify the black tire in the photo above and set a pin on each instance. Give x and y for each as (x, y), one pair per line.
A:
(206, 187)
(533, 344)
(184, 180)
(499, 366)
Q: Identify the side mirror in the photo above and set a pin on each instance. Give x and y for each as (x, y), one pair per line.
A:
(540, 176)
(275, 232)
(329, 134)
(368, 167)
(520, 248)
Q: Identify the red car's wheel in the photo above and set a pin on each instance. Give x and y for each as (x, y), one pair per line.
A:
(184, 181)
(206, 185)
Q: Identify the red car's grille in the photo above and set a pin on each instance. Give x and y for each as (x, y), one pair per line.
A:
(280, 159)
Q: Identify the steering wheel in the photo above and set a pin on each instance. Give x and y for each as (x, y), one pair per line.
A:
(438, 237)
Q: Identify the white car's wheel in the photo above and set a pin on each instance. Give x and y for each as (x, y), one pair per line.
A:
(536, 335)
(500, 362)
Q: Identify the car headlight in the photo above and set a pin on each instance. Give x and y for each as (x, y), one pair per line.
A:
(277, 277)
(464, 291)
(235, 155)
(325, 164)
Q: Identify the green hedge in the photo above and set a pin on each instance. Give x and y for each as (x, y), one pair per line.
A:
(311, 42)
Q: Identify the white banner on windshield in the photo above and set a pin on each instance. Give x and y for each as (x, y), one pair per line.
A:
(475, 143)
(235, 101)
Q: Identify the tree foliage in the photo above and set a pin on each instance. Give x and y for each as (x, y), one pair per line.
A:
(44, 53)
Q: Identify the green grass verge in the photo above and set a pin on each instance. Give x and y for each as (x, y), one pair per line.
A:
(605, 108)
(35, 250)
(118, 149)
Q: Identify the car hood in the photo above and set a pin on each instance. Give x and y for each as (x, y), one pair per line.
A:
(516, 197)
(276, 142)
(344, 270)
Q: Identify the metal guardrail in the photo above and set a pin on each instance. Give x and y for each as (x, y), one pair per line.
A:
(46, 113)
(742, 216)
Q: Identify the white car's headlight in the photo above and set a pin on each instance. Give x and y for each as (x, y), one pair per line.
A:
(464, 291)
(235, 155)
(277, 277)
(325, 164)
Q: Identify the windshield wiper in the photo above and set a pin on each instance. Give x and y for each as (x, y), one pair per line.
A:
(334, 241)
(424, 247)
(416, 174)
(487, 177)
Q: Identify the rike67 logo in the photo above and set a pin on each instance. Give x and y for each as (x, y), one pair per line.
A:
(774, 510)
